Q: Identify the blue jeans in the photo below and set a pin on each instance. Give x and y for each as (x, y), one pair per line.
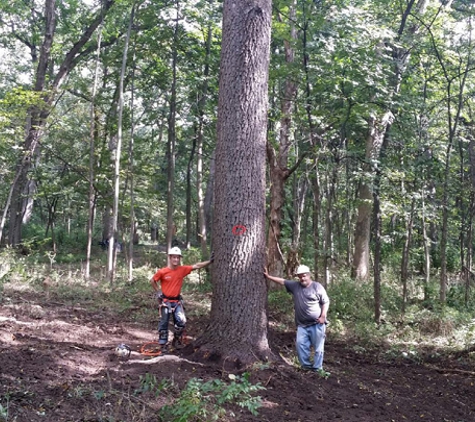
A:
(307, 337)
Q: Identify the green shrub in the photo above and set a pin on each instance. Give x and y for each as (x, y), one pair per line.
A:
(204, 401)
(351, 300)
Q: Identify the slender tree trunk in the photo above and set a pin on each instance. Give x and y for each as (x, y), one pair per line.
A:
(452, 124)
(202, 226)
(172, 137)
(374, 142)
(189, 170)
(378, 127)
(209, 196)
(329, 226)
(133, 240)
(316, 219)
(300, 193)
(471, 159)
(377, 251)
(237, 332)
(92, 160)
(405, 254)
(469, 243)
(427, 249)
(278, 161)
(315, 141)
(112, 255)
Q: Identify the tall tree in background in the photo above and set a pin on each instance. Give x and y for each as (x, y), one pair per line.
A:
(203, 97)
(49, 86)
(171, 227)
(238, 327)
(278, 160)
(92, 161)
(113, 239)
(380, 120)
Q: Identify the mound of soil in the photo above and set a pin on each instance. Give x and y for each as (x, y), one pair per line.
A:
(58, 363)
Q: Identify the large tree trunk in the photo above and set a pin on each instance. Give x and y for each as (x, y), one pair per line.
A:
(237, 333)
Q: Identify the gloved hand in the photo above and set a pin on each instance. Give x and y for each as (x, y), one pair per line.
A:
(211, 258)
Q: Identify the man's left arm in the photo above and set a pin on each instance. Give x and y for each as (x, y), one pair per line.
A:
(323, 316)
(325, 304)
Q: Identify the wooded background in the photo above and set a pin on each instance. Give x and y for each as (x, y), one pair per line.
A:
(108, 129)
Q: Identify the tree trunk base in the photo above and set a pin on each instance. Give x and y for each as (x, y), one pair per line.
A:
(229, 359)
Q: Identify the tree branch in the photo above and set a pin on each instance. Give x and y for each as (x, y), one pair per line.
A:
(71, 58)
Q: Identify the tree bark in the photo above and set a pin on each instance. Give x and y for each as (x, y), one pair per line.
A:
(237, 333)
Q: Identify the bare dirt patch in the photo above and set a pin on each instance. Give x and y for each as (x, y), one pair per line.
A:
(57, 363)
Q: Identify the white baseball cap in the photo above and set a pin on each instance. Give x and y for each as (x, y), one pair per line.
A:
(302, 269)
(175, 251)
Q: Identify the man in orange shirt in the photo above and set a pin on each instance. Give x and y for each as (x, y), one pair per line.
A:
(170, 300)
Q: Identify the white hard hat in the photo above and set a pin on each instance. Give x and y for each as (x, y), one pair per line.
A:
(302, 269)
(175, 251)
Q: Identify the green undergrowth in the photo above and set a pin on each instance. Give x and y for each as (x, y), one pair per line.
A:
(210, 400)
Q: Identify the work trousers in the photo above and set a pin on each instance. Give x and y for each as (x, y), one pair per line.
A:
(166, 309)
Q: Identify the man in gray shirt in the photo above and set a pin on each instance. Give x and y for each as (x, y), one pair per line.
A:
(311, 304)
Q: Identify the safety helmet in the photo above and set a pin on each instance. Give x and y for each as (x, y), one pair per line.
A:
(175, 251)
(302, 269)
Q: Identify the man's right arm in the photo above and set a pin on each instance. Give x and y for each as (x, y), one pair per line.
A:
(154, 283)
(278, 280)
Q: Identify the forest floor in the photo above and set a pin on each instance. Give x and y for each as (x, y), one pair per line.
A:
(57, 363)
